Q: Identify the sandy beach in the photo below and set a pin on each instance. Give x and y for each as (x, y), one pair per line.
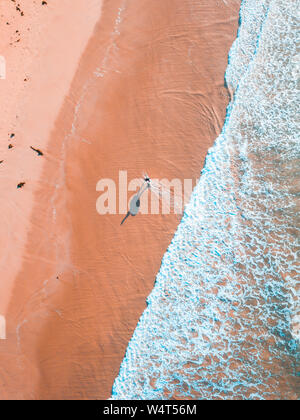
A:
(96, 88)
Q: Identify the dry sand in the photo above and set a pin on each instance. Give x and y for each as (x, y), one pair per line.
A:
(135, 85)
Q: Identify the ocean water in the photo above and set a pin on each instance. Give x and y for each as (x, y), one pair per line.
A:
(222, 321)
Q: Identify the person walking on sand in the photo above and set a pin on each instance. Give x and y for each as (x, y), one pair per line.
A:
(135, 202)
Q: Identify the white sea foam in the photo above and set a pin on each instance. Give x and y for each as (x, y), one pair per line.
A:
(221, 321)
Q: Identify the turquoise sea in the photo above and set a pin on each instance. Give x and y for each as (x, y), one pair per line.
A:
(223, 320)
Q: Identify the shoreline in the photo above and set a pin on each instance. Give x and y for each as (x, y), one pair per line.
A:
(154, 101)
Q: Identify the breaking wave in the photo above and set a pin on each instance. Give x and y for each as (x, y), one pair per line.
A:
(222, 320)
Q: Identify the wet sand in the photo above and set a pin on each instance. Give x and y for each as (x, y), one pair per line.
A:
(147, 94)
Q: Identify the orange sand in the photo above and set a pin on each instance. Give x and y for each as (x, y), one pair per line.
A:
(144, 91)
